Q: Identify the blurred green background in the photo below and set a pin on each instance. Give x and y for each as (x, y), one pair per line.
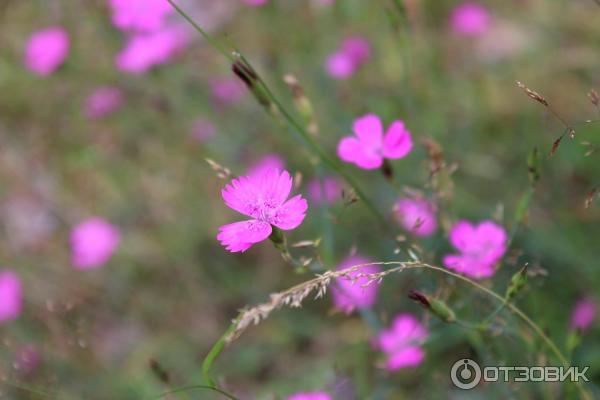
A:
(171, 290)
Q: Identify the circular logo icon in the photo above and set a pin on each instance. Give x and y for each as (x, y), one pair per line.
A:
(465, 374)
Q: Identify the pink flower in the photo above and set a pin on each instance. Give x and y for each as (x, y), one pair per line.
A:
(226, 90)
(351, 55)
(584, 314)
(270, 161)
(263, 198)
(369, 147)
(480, 246)
(416, 216)
(103, 102)
(11, 297)
(402, 342)
(203, 130)
(46, 50)
(255, 3)
(309, 396)
(27, 359)
(144, 51)
(470, 19)
(328, 190)
(93, 242)
(139, 15)
(349, 294)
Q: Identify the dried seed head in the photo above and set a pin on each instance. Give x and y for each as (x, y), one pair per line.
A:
(533, 94)
(222, 172)
(593, 96)
(595, 192)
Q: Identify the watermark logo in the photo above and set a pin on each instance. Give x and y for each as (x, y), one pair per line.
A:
(466, 374)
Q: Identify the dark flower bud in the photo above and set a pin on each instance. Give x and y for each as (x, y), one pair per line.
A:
(436, 307)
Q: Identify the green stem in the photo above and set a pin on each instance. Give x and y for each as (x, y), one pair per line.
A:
(192, 387)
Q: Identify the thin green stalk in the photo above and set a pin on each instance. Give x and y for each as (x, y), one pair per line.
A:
(410, 265)
(184, 389)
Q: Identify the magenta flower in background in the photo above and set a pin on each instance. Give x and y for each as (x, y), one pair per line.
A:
(11, 296)
(327, 190)
(203, 129)
(263, 198)
(255, 3)
(402, 342)
(349, 294)
(309, 396)
(226, 90)
(93, 242)
(470, 19)
(349, 57)
(269, 161)
(46, 50)
(368, 147)
(139, 15)
(144, 51)
(416, 215)
(103, 102)
(27, 359)
(584, 314)
(480, 248)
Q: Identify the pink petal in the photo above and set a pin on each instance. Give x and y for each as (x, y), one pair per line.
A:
(93, 242)
(46, 50)
(407, 357)
(397, 142)
(240, 236)
(463, 236)
(416, 216)
(469, 266)
(584, 314)
(10, 296)
(349, 294)
(273, 187)
(242, 195)
(352, 150)
(369, 130)
(340, 66)
(291, 214)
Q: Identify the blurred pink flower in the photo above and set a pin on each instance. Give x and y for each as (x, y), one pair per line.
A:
(416, 215)
(470, 19)
(328, 190)
(255, 3)
(309, 396)
(584, 314)
(357, 48)
(480, 246)
(93, 242)
(27, 359)
(226, 90)
(349, 294)
(144, 51)
(139, 15)
(402, 342)
(368, 147)
(262, 197)
(351, 55)
(11, 296)
(203, 130)
(46, 50)
(103, 102)
(269, 161)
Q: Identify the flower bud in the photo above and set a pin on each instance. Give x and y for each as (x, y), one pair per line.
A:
(517, 282)
(436, 307)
